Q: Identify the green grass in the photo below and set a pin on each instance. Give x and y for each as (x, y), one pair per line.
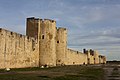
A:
(26, 69)
(67, 73)
(93, 73)
(86, 73)
(22, 77)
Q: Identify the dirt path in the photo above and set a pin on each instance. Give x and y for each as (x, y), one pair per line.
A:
(112, 73)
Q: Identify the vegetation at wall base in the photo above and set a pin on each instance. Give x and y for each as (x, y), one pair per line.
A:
(55, 73)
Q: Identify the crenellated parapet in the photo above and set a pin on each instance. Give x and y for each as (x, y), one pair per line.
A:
(93, 57)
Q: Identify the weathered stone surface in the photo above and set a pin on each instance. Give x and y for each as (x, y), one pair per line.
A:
(48, 43)
(75, 57)
(16, 50)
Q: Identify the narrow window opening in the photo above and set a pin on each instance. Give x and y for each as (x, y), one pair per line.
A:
(27, 37)
(20, 35)
(88, 60)
(57, 41)
(11, 33)
(0, 30)
(77, 52)
(59, 60)
(33, 45)
(52, 20)
(42, 36)
(73, 62)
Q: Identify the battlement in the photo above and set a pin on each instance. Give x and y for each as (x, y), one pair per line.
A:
(100, 56)
(74, 51)
(48, 22)
(61, 28)
(53, 21)
(11, 34)
(33, 18)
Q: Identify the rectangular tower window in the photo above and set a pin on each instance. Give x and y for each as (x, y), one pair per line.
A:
(77, 52)
(11, 33)
(42, 36)
(20, 35)
(0, 30)
(57, 41)
(27, 37)
(33, 44)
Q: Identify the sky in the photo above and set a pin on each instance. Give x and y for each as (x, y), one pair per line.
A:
(91, 24)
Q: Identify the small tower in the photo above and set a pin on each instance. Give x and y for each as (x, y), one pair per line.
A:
(100, 59)
(104, 60)
(92, 59)
(48, 43)
(84, 51)
(33, 27)
(61, 46)
(96, 58)
(33, 30)
(88, 56)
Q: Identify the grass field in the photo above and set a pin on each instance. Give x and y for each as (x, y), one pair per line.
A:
(54, 73)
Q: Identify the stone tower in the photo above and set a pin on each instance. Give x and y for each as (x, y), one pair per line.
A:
(61, 46)
(33, 27)
(96, 58)
(100, 59)
(87, 52)
(104, 59)
(45, 32)
(48, 42)
(33, 30)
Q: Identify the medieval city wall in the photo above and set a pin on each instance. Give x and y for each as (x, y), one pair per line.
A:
(53, 44)
(17, 50)
(92, 56)
(43, 44)
(75, 57)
